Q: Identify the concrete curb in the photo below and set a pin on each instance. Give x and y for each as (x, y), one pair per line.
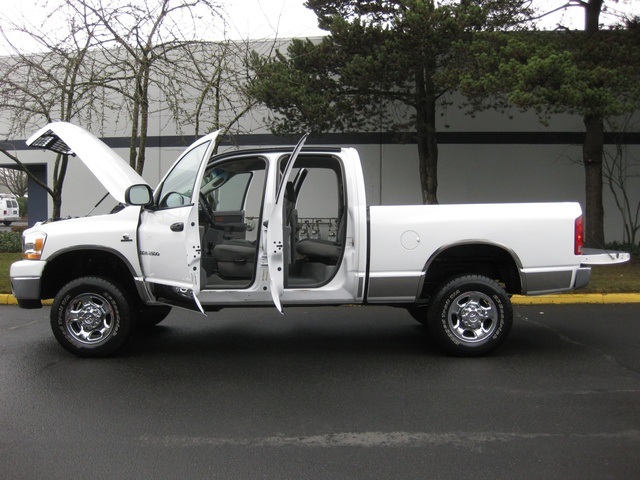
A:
(563, 299)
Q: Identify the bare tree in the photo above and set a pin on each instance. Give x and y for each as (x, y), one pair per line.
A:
(14, 180)
(212, 90)
(621, 173)
(57, 84)
(146, 38)
(122, 62)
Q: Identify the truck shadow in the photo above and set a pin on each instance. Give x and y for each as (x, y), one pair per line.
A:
(260, 340)
(337, 331)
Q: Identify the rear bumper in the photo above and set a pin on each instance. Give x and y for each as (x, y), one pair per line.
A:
(592, 256)
(544, 281)
(583, 275)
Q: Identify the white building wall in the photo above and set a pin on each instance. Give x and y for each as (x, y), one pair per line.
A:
(468, 173)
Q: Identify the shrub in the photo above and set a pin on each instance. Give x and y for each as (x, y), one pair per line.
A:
(10, 242)
(22, 203)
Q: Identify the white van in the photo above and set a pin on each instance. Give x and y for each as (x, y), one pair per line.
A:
(9, 210)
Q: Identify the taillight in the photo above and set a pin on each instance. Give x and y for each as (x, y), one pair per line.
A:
(579, 236)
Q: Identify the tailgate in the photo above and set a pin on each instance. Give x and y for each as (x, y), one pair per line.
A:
(592, 256)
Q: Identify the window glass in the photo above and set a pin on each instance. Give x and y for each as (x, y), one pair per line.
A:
(230, 196)
(234, 186)
(177, 188)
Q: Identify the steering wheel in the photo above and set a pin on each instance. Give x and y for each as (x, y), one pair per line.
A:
(207, 209)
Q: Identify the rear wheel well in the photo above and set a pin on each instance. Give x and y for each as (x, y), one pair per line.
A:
(81, 263)
(480, 259)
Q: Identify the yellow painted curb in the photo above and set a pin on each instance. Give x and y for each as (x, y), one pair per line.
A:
(8, 299)
(571, 298)
(621, 297)
(561, 299)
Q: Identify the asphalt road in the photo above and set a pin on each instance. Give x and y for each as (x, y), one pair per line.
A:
(325, 393)
(5, 228)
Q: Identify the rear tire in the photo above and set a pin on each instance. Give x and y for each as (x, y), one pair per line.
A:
(92, 317)
(470, 315)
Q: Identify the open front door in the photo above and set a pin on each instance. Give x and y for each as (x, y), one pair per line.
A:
(169, 233)
(275, 232)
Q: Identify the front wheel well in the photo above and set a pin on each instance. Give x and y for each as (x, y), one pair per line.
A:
(81, 263)
(476, 259)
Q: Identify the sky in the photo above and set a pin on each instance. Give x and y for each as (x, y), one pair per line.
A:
(271, 18)
(573, 17)
(259, 19)
(254, 19)
(289, 18)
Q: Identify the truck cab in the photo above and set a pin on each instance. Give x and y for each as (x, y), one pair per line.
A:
(260, 227)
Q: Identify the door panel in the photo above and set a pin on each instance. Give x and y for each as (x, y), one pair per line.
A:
(169, 245)
(275, 232)
(169, 235)
(170, 252)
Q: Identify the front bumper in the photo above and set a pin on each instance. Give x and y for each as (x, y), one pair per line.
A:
(26, 276)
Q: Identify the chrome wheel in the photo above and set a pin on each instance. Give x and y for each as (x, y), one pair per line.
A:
(472, 317)
(92, 316)
(469, 315)
(89, 319)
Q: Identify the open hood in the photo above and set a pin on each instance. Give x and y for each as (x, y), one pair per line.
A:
(110, 169)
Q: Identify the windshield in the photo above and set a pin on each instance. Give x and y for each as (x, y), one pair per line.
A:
(177, 188)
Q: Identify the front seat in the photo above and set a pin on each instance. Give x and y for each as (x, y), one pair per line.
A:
(236, 258)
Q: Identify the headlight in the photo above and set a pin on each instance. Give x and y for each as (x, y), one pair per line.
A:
(33, 244)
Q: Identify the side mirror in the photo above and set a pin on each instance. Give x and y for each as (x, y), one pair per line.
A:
(139, 195)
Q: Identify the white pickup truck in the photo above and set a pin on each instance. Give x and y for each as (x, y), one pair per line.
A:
(286, 226)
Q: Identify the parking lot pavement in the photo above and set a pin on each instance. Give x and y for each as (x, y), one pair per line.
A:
(347, 392)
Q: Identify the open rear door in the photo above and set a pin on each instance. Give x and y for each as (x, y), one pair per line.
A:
(275, 232)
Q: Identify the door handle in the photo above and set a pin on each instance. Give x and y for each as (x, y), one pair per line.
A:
(177, 227)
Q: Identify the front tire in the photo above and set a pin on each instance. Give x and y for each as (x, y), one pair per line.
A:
(92, 317)
(470, 315)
